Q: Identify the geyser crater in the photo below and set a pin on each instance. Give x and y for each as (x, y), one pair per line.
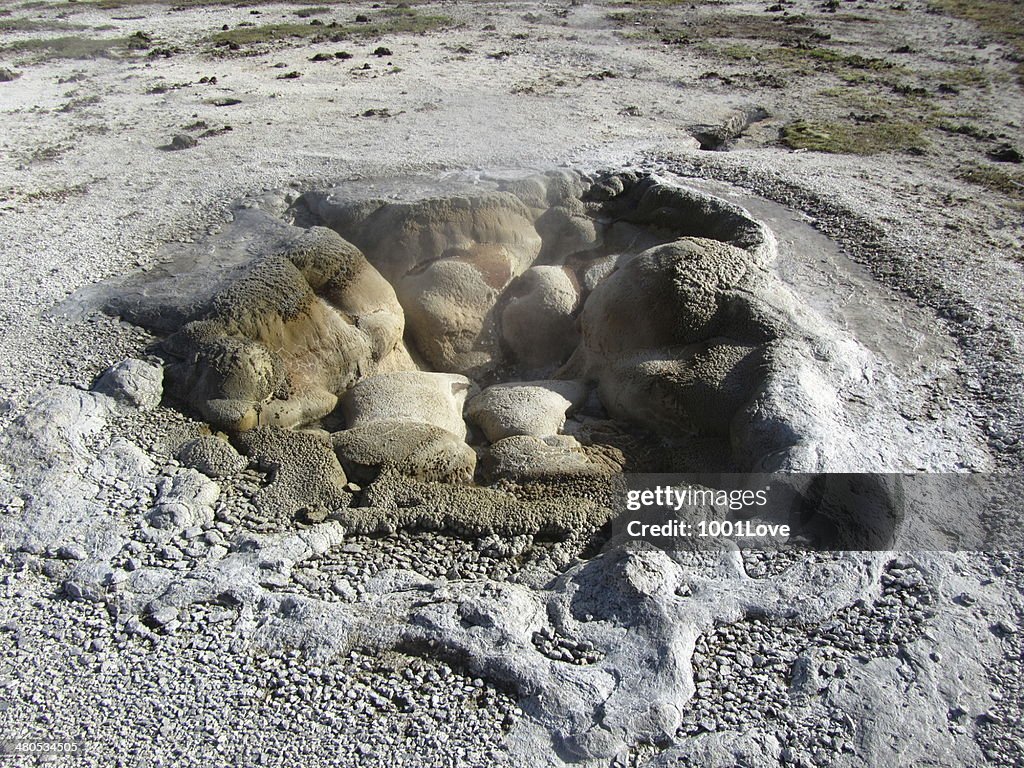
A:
(511, 327)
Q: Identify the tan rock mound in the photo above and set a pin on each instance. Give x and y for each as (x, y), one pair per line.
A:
(538, 322)
(535, 408)
(278, 345)
(410, 396)
(672, 339)
(449, 260)
(413, 449)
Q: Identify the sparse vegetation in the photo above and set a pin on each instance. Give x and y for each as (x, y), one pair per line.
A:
(972, 77)
(316, 10)
(85, 101)
(46, 153)
(792, 30)
(23, 24)
(399, 20)
(854, 138)
(58, 195)
(113, 4)
(1003, 19)
(1008, 183)
(967, 129)
(803, 58)
(894, 103)
(267, 33)
(69, 47)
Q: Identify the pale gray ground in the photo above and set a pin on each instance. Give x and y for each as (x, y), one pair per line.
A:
(274, 643)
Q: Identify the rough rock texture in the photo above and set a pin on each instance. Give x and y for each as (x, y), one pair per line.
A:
(536, 408)
(670, 295)
(720, 136)
(448, 304)
(492, 231)
(303, 470)
(795, 420)
(211, 455)
(538, 324)
(52, 478)
(134, 382)
(394, 502)
(410, 396)
(528, 458)
(183, 501)
(694, 337)
(658, 294)
(278, 345)
(412, 448)
(589, 713)
(671, 339)
(563, 644)
(647, 202)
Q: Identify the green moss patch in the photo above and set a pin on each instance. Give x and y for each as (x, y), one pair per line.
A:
(70, 47)
(850, 138)
(401, 20)
(1002, 19)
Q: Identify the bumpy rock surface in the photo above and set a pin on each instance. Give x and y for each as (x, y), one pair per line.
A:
(666, 211)
(449, 260)
(211, 455)
(671, 339)
(657, 294)
(410, 396)
(536, 408)
(183, 501)
(415, 449)
(670, 295)
(528, 458)
(303, 470)
(394, 502)
(134, 382)
(278, 345)
(538, 324)
(493, 278)
(490, 230)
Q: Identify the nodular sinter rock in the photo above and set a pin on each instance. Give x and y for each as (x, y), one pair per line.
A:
(400, 319)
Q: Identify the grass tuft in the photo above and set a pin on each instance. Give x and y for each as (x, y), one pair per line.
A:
(69, 47)
(23, 24)
(400, 20)
(1010, 184)
(1002, 19)
(849, 138)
